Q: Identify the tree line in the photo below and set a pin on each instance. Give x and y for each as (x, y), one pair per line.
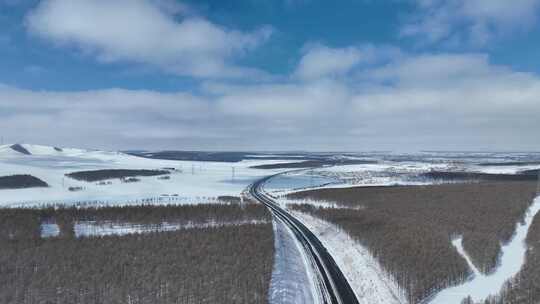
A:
(99, 175)
(21, 181)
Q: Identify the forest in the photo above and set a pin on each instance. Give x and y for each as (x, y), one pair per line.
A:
(229, 264)
(99, 175)
(21, 181)
(314, 163)
(409, 228)
(525, 287)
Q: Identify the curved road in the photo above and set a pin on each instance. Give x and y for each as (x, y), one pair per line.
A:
(332, 283)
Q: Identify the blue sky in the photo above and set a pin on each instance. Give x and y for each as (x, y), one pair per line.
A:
(295, 23)
(271, 75)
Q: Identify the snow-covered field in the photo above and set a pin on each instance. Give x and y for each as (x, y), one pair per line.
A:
(196, 181)
(387, 173)
(192, 182)
(285, 203)
(512, 169)
(92, 228)
(381, 174)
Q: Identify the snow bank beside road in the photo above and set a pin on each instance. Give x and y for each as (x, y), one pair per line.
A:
(292, 278)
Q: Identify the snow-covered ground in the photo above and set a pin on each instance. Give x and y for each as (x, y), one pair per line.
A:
(293, 281)
(91, 228)
(196, 181)
(192, 182)
(384, 173)
(285, 203)
(49, 230)
(507, 169)
(512, 259)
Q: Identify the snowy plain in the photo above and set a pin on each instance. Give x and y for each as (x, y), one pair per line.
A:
(202, 181)
(388, 173)
(193, 182)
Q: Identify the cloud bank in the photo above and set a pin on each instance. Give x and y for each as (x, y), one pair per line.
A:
(409, 102)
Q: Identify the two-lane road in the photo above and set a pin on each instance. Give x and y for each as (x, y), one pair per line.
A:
(334, 287)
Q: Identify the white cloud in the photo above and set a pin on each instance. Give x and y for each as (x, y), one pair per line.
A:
(440, 70)
(282, 102)
(475, 22)
(413, 102)
(321, 61)
(154, 32)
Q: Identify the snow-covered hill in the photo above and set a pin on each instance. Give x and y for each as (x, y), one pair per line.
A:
(191, 182)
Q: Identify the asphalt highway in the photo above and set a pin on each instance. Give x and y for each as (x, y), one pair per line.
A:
(333, 285)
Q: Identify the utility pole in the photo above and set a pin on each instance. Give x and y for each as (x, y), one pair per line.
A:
(232, 174)
(192, 169)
